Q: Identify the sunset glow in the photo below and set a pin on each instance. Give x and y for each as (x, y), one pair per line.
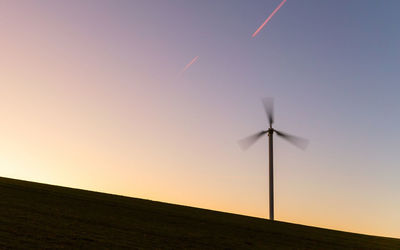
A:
(90, 98)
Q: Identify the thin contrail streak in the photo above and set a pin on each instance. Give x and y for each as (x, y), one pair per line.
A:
(189, 64)
(267, 20)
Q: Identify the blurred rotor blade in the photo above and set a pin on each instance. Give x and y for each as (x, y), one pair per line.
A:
(269, 109)
(245, 143)
(297, 141)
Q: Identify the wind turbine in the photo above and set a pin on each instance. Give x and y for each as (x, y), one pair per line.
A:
(250, 140)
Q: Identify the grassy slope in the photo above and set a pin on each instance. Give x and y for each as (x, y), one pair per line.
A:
(38, 215)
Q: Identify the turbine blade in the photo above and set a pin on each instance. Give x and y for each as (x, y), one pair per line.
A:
(269, 109)
(245, 143)
(297, 141)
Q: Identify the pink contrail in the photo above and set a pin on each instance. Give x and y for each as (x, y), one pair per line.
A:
(189, 64)
(267, 20)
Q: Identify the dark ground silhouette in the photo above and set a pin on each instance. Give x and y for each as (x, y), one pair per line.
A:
(35, 215)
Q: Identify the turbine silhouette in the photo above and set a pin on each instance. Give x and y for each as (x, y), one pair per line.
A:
(250, 140)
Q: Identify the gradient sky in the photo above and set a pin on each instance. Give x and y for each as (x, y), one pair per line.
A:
(91, 96)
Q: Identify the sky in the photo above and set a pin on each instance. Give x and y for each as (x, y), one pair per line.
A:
(148, 99)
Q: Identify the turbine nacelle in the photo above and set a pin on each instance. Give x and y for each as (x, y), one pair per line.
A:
(268, 104)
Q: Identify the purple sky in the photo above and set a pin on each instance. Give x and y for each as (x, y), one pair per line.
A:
(89, 98)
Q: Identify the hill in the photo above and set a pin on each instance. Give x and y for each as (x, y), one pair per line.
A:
(34, 215)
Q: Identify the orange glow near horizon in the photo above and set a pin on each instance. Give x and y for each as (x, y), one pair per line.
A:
(90, 99)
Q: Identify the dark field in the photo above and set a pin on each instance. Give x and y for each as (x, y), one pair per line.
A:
(43, 216)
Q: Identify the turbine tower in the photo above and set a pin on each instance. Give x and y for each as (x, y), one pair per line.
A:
(250, 140)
